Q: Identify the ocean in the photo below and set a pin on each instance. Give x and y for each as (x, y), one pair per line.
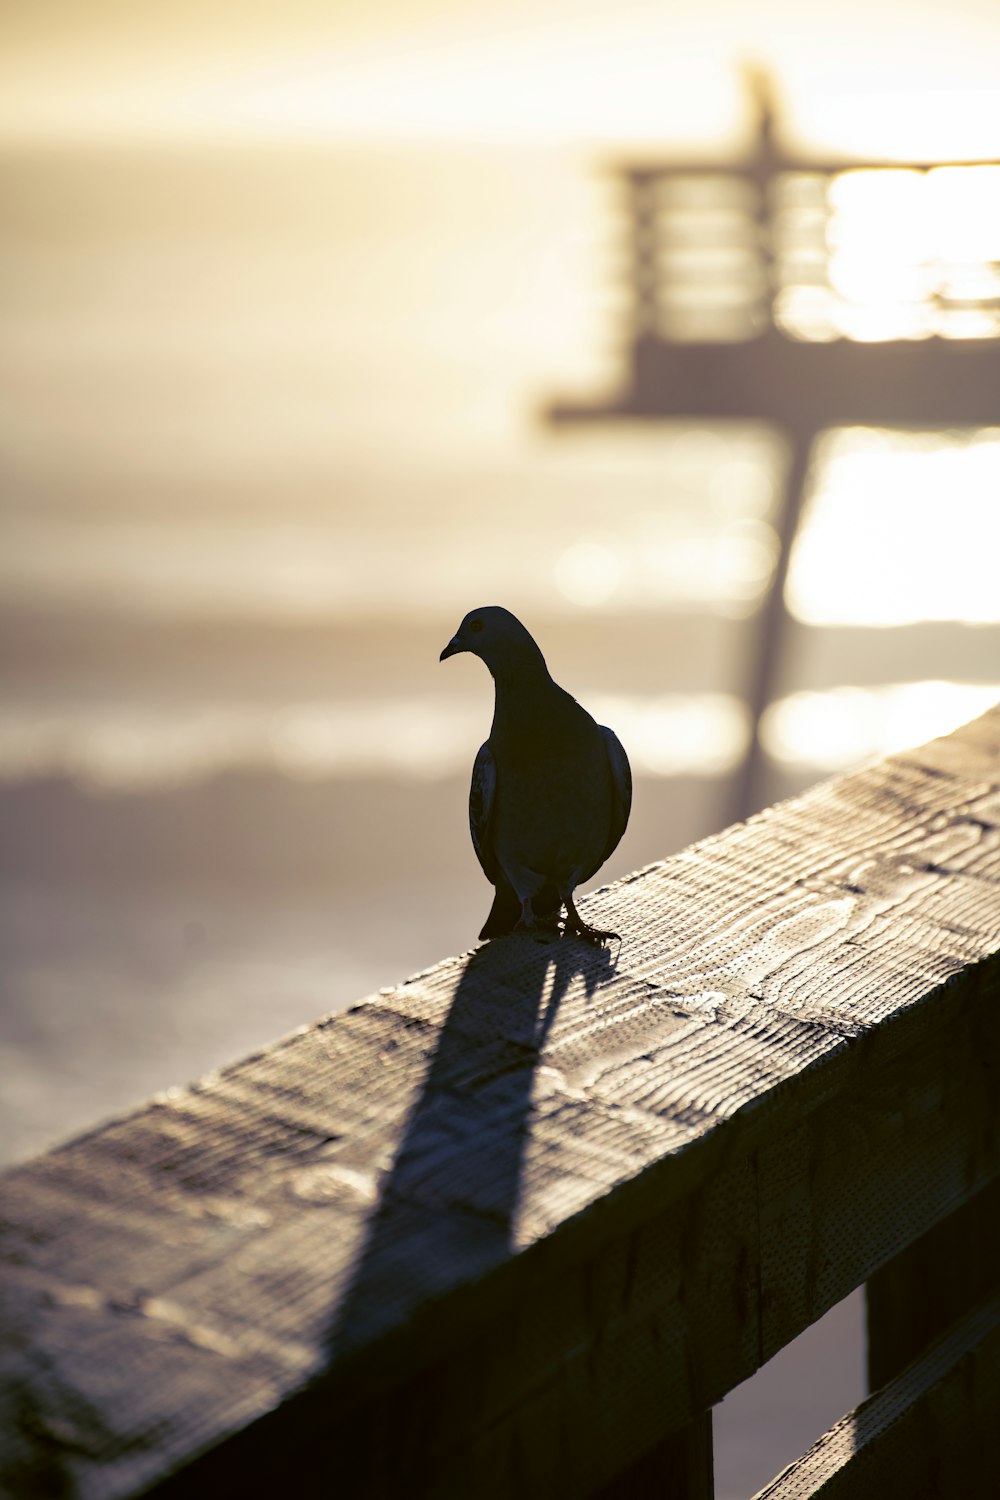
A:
(269, 428)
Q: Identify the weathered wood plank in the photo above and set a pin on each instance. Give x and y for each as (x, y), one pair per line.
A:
(505, 1227)
(921, 1292)
(930, 1431)
(679, 1468)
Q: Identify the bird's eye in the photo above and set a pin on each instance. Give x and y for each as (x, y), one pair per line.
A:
(475, 624)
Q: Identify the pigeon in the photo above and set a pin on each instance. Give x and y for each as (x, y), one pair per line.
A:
(551, 788)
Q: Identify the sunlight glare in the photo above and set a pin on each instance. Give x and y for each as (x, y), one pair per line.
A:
(132, 747)
(744, 486)
(905, 527)
(693, 734)
(890, 253)
(847, 726)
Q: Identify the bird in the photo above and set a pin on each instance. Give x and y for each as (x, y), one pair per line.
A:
(551, 788)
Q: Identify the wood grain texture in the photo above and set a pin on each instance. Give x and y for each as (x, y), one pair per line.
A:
(931, 1431)
(505, 1227)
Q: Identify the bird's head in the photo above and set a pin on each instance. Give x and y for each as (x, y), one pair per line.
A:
(496, 636)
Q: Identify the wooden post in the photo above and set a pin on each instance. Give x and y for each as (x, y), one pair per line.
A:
(678, 1469)
(929, 1285)
(771, 634)
(929, 1432)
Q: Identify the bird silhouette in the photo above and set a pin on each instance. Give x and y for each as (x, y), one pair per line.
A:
(551, 788)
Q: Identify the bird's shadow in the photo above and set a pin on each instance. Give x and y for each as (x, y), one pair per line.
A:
(446, 1215)
(447, 1206)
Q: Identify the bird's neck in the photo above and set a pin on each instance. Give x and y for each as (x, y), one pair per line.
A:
(520, 685)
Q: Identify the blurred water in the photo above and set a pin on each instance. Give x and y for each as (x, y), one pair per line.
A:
(266, 433)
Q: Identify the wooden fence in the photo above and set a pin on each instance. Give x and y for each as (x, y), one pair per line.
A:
(512, 1227)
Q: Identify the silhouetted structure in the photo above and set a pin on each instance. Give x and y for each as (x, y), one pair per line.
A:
(733, 315)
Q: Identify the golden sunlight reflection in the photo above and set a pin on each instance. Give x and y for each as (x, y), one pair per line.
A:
(652, 563)
(903, 527)
(622, 525)
(836, 730)
(302, 571)
(678, 734)
(123, 747)
(890, 253)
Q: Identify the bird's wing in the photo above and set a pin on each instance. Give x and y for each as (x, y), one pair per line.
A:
(621, 781)
(506, 907)
(481, 795)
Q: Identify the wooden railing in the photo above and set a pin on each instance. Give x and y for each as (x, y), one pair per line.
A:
(512, 1227)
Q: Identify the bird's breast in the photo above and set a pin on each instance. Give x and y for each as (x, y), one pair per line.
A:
(553, 802)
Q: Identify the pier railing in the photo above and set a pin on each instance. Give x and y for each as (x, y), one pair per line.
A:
(512, 1227)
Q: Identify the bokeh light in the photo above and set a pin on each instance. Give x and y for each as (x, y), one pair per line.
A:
(900, 528)
(849, 726)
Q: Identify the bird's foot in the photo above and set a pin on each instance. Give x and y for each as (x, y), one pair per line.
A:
(576, 926)
(595, 935)
(542, 929)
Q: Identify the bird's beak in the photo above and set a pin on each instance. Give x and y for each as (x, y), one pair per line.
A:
(453, 646)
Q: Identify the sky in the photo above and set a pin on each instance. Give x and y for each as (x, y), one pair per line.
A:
(899, 77)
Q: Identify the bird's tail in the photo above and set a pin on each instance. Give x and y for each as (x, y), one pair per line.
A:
(503, 913)
(506, 909)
